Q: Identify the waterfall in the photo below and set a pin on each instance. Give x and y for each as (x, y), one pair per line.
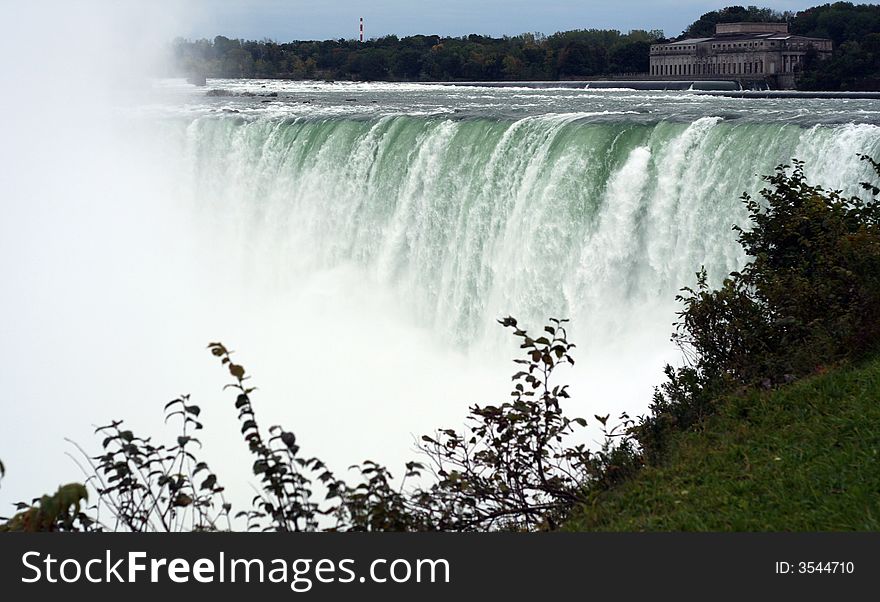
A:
(467, 220)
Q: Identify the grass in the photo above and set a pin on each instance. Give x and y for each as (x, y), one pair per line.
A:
(801, 458)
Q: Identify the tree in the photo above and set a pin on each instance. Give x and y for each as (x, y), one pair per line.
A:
(582, 59)
(407, 64)
(705, 26)
(630, 57)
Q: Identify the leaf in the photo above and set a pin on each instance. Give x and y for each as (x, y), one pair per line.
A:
(171, 403)
(217, 349)
(182, 500)
(237, 371)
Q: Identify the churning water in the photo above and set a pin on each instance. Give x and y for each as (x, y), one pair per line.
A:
(469, 204)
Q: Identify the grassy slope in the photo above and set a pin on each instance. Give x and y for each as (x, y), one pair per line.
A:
(804, 457)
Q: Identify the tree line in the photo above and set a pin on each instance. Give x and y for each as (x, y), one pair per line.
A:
(576, 54)
(529, 56)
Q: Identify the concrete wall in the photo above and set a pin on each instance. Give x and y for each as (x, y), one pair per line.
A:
(727, 28)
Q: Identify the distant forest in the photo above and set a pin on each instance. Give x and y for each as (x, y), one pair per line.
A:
(577, 54)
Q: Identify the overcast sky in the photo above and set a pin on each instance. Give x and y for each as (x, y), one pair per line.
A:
(284, 20)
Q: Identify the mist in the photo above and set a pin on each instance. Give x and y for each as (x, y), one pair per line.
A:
(113, 286)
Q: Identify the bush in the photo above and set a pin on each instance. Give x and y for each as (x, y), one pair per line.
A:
(59, 512)
(511, 469)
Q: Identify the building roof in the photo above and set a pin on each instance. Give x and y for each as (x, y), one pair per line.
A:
(744, 37)
(691, 41)
(750, 27)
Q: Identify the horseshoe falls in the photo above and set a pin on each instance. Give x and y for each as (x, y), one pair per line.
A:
(355, 244)
(468, 220)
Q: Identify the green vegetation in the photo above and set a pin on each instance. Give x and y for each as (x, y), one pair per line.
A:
(800, 458)
(571, 54)
(855, 30)
(59, 512)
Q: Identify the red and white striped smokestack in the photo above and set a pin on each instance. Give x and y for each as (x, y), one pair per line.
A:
(362, 29)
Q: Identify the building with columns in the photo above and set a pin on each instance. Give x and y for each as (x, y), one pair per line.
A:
(747, 52)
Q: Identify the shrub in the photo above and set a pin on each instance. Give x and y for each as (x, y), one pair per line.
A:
(59, 512)
(512, 468)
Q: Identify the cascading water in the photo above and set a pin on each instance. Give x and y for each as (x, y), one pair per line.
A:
(470, 219)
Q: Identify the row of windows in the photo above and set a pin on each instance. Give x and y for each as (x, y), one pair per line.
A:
(731, 45)
(742, 45)
(709, 69)
(791, 44)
